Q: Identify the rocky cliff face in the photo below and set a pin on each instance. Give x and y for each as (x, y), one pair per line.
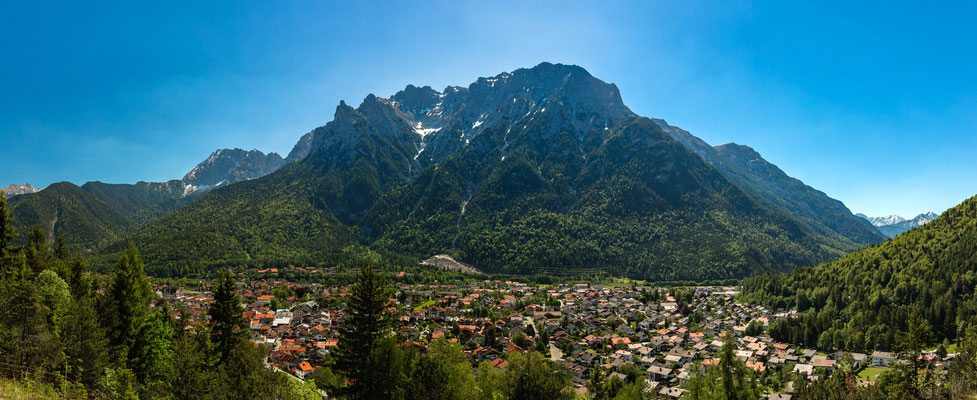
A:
(232, 165)
(14, 189)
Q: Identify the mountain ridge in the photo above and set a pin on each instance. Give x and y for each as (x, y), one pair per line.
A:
(15, 189)
(894, 225)
(544, 165)
(232, 165)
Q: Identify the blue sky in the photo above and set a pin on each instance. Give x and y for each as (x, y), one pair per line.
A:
(872, 104)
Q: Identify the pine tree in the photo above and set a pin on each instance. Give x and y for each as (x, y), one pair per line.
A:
(85, 344)
(8, 252)
(153, 353)
(23, 329)
(227, 325)
(37, 252)
(128, 303)
(60, 248)
(366, 322)
(730, 380)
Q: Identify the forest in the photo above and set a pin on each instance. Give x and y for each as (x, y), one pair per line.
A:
(859, 302)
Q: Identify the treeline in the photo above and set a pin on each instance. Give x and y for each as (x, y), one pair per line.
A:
(858, 303)
(112, 338)
(913, 377)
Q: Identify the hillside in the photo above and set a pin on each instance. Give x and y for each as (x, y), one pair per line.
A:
(268, 219)
(930, 270)
(143, 201)
(542, 170)
(764, 180)
(85, 221)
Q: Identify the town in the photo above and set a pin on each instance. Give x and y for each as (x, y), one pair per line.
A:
(662, 333)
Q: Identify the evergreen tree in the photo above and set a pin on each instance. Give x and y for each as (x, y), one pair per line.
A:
(85, 344)
(530, 377)
(60, 248)
(128, 303)
(227, 325)
(911, 343)
(38, 254)
(366, 321)
(8, 252)
(730, 380)
(194, 372)
(153, 354)
(443, 372)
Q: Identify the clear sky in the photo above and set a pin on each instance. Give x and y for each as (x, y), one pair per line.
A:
(876, 105)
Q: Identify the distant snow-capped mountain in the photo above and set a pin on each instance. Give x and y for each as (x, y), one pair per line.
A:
(14, 189)
(894, 225)
(883, 221)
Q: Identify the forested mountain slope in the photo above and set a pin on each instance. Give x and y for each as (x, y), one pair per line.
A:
(860, 301)
(64, 208)
(143, 201)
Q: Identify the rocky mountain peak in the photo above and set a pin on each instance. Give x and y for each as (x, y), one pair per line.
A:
(14, 189)
(232, 165)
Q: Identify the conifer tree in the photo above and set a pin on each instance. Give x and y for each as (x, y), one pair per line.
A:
(8, 252)
(85, 342)
(37, 252)
(60, 248)
(128, 302)
(366, 322)
(227, 325)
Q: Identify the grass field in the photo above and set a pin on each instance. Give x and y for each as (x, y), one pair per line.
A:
(12, 390)
(870, 373)
(424, 305)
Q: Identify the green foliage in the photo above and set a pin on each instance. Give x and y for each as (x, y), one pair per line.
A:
(227, 324)
(153, 353)
(55, 295)
(529, 376)
(859, 302)
(63, 208)
(127, 303)
(730, 380)
(142, 202)
(443, 372)
(366, 322)
(755, 328)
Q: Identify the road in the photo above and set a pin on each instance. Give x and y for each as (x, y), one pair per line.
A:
(555, 353)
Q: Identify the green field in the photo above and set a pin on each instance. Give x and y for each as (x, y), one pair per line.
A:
(424, 305)
(870, 373)
(13, 390)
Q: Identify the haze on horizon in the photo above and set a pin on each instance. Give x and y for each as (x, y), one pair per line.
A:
(873, 106)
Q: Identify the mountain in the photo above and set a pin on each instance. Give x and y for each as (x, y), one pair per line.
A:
(541, 170)
(14, 189)
(301, 149)
(744, 165)
(871, 294)
(232, 165)
(894, 225)
(882, 221)
(66, 208)
(144, 201)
